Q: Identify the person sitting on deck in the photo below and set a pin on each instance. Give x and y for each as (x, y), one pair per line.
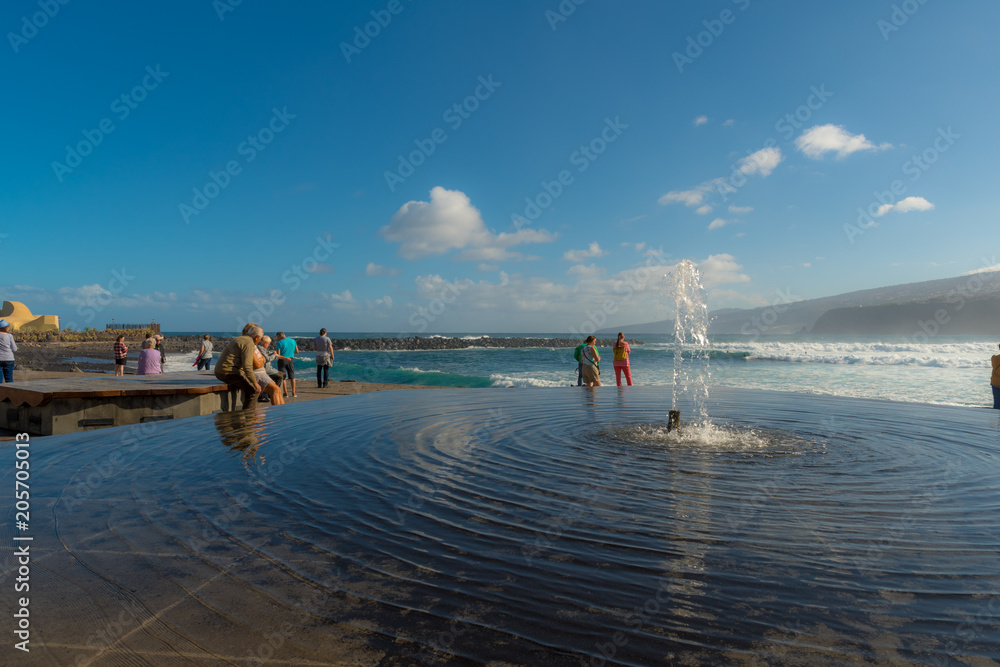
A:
(235, 365)
(149, 359)
(271, 389)
(275, 376)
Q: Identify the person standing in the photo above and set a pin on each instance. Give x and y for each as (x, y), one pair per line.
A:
(995, 381)
(324, 358)
(590, 358)
(287, 349)
(161, 348)
(7, 349)
(622, 350)
(205, 354)
(579, 364)
(121, 353)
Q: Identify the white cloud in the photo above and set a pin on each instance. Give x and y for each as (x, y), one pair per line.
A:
(700, 120)
(905, 206)
(762, 162)
(317, 267)
(85, 295)
(341, 301)
(686, 197)
(821, 139)
(448, 222)
(577, 256)
(718, 222)
(739, 210)
(585, 272)
(720, 270)
(985, 269)
(703, 210)
(380, 306)
(729, 123)
(374, 269)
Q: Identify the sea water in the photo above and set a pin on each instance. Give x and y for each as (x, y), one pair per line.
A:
(540, 526)
(948, 370)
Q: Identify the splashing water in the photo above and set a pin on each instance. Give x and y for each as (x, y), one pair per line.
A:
(683, 287)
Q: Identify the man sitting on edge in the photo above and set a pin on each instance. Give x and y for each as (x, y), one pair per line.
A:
(235, 365)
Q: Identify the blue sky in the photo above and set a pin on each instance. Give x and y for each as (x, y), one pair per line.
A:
(420, 167)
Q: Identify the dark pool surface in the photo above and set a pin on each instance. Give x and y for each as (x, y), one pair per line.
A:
(530, 526)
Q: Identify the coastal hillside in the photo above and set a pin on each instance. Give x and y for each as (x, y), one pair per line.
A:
(971, 305)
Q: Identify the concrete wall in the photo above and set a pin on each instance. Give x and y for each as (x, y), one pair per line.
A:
(71, 415)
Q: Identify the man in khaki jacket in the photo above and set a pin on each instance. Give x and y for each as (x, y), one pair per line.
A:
(235, 364)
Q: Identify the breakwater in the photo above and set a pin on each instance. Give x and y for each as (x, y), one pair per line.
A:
(419, 342)
(442, 343)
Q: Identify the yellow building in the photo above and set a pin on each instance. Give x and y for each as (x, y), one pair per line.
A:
(21, 318)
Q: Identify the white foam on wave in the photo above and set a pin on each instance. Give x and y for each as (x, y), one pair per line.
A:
(498, 380)
(937, 355)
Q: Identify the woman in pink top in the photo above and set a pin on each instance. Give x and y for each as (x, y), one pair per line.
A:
(149, 359)
(621, 350)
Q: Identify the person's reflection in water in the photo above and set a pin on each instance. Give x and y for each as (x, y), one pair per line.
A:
(243, 431)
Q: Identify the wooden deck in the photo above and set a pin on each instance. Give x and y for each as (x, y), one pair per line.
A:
(68, 405)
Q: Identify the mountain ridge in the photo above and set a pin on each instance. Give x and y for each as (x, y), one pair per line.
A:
(845, 313)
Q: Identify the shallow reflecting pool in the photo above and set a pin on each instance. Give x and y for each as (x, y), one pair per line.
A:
(528, 526)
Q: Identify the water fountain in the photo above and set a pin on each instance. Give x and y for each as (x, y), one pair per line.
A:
(683, 288)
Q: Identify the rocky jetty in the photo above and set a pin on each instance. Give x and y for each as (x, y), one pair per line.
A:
(441, 343)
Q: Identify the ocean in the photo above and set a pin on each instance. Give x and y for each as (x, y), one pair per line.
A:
(944, 370)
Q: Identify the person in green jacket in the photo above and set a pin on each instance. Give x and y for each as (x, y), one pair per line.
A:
(579, 364)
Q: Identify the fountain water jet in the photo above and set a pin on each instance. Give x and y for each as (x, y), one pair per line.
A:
(683, 287)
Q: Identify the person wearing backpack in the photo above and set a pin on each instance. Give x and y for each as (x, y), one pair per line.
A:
(589, 359)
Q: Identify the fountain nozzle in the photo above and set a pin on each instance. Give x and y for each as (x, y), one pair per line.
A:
(674, 421)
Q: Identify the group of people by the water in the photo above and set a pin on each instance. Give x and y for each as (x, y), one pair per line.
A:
(247, 364)
(588, 370)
